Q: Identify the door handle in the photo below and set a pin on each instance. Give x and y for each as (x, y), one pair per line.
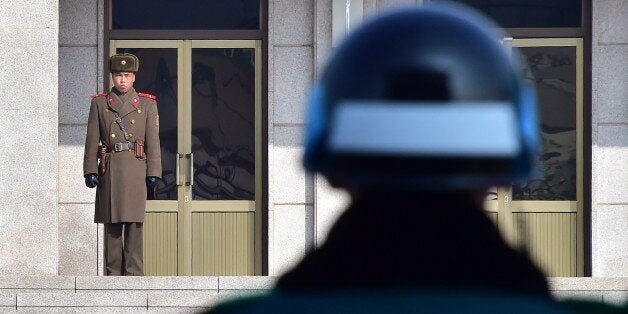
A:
(190, 181)
(178, 179)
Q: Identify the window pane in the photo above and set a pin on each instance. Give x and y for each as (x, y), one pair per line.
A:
(553, 71)
(223, 123)
(158, 76)
(185, 14)
(529, 13)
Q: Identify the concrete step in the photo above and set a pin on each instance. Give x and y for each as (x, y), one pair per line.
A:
(196, 293)
(124, 294)
(609, 290)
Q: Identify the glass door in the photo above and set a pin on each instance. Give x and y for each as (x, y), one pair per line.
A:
(205, 215)
(544, 215)
(223, 149)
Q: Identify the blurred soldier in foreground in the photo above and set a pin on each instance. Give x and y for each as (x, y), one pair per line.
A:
(122, 157)
(416, 115)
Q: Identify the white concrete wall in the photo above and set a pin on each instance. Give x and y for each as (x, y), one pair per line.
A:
(28, 137)
(302, 207)
(80, 73)
(290, 71)
(610, 138)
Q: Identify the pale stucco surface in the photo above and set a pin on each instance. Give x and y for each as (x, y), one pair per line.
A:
(293, 236)
(79, 72)
(77, 23)
(611, 241)
(77, 82)
(28, 124)
(290, 183)
(291, 50)
(78, 253)
(609, 210)
(292, 80)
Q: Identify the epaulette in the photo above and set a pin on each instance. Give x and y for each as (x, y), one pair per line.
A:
(100, 94)
(153, 97)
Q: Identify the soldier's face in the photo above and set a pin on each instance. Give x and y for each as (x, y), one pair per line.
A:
(123, 81)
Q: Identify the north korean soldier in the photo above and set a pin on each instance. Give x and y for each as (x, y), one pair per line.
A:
(122, 158)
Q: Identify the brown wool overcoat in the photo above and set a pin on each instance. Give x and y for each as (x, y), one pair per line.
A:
(121, 193)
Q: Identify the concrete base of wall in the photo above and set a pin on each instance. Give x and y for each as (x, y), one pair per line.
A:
(106, 294)
(609, 290)
(193, 294)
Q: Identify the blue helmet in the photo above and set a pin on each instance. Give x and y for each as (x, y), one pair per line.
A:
(422, 98)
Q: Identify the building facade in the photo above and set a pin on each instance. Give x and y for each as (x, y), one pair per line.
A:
(232, 116)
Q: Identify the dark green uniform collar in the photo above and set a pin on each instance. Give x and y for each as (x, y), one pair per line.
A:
(122, 97)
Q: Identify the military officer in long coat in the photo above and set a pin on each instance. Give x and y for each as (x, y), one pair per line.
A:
(124, 125)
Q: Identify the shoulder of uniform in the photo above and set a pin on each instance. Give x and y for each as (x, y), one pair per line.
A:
(146, 95)
(99, 95)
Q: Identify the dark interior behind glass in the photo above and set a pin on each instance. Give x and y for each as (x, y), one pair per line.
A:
(185, 14)
(529, 13)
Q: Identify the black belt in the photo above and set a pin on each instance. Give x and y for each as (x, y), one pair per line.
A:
(121, 147)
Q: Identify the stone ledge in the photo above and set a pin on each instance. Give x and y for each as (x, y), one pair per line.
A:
(194, 294)
(164, 299)
(178, 309)
(608, 290)
(616, 297)
(147, 283)
(236, 283)
(91, 299)
(588, 284)
(227, 295)
(571, 294)
(7, 300)
(246, 282)
(37, 282)
(84, 309)
(183, 299)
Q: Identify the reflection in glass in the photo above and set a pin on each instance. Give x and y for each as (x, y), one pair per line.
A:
(491, 194)
(223, 123)
(553, 71)
(185, 14)
(158, 76)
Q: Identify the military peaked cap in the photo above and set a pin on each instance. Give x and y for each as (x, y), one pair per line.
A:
(123, 62)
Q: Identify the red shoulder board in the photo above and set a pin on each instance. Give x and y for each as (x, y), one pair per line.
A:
(153, 97)
(100, 94)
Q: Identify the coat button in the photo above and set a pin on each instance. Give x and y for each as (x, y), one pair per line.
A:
(113, 135)
(106, 110)
(139, 110)
(130, 134)
(132, 121)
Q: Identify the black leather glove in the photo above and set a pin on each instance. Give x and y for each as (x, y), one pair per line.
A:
(152, 182)
(91, 180)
